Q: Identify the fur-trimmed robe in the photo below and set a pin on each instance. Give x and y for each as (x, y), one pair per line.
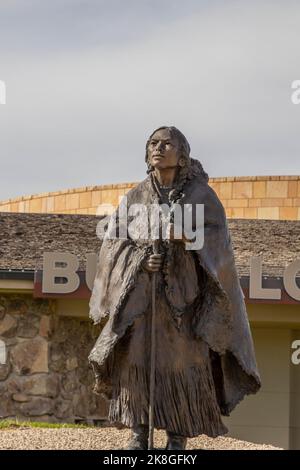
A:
(122, 294)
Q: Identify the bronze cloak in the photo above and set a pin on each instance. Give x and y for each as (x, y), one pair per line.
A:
(122, 292)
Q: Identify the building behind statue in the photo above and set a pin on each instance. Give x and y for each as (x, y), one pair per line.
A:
(45, 338)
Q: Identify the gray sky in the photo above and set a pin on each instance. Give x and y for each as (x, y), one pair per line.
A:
(88, 81)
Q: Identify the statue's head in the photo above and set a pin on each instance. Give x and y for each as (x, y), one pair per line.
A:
(170, 141)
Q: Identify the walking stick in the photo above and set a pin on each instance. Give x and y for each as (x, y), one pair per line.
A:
(153, 351)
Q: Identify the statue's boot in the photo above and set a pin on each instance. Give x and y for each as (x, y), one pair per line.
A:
(175, 442)
(139, 438)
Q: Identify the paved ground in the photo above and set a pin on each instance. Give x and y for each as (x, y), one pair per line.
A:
(104, 438)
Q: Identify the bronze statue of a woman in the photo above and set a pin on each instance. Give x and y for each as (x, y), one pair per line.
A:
(204, 356)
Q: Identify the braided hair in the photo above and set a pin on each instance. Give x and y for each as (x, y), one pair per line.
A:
(187, 168)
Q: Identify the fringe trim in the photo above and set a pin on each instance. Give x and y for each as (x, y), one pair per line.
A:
(185, 401)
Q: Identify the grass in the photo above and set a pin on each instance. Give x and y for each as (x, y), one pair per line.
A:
(15, 423)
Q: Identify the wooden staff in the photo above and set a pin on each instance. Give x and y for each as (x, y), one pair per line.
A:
(153, 353)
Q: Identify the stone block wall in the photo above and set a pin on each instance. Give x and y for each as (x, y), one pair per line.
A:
(83, 200)
(260, 197)
(44, 372)
(248, 197)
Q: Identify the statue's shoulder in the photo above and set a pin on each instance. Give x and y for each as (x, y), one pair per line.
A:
(198, 183)
(200, 192)
(139, 191)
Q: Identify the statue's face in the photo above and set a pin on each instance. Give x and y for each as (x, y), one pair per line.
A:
(163, 150)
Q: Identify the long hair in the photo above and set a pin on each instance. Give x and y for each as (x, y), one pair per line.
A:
(183, 145)
(189, 166)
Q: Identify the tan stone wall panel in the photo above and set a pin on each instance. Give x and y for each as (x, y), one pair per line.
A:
(292, 188)
(270, 213)
(26, 208)
(250, 212)
(237, 213)
(272, 202)
(5, 208)
(238, 202)
(225, 191)
(96, 198)
(110, 196)
(21, 206)
(35, 205)
(288, 213)
(259, 189)
(50, 204)
(72, 201)
(14, 207)
(254, 202)
(60, 202)
(81, 211)
(85, 200)
(242, 190)
(44, 205)
(92, 211)
(277, 189)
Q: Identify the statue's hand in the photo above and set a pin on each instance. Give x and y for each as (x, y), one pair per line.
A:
(153, 263)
